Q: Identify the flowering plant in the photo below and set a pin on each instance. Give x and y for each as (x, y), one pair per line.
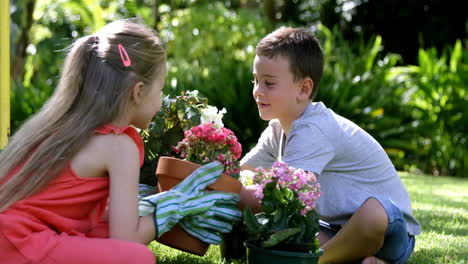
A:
(177, 114)
(209, 142)
(288, 220)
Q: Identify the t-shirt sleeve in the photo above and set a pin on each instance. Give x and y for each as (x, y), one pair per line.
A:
(308, 148)
(265, 152)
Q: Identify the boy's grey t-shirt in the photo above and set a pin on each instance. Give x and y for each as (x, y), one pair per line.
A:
(350, 164)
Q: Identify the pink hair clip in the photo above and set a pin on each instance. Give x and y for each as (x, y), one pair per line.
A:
(124, 56)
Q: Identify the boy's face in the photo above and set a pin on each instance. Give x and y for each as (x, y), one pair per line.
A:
(275, 90)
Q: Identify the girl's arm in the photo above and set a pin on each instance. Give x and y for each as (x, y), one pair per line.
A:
(124, 171)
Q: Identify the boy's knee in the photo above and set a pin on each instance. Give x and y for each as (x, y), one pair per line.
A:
(374, 220)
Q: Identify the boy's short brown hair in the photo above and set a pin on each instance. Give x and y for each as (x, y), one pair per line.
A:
(302, 49)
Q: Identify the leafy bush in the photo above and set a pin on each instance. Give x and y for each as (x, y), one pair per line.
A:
(437, 95)
(211, 49)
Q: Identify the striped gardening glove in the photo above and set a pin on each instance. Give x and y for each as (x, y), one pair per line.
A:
(188, 198)
(209, 225)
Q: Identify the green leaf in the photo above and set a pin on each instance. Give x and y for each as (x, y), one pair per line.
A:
(456, 56)
(280, 219)
(373, 53)
(250, 221)
(280, 236)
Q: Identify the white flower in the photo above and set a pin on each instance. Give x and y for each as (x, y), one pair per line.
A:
(212, 115)
(192, 93)
(246, 177)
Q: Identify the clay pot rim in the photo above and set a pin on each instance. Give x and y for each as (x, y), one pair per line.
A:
(214, 186)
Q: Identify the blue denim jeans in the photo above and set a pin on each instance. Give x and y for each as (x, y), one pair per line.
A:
(398, 244)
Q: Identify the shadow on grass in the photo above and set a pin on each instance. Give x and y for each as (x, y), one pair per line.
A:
(435, 256)
(442, 223)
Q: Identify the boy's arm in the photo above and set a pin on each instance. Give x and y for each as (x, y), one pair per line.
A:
(265, 151)
(247, 198)
(246, 166)
(262, 155)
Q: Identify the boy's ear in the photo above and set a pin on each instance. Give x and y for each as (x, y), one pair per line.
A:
(307, 85)
(137, 92)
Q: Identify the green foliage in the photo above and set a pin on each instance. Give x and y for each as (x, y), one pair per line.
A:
(280, 236)
(211, 49)
(167, 128)
(437, 95)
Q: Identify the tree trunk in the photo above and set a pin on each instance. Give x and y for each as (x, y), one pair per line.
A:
(270, 11)
(25, 24)
(155, 14)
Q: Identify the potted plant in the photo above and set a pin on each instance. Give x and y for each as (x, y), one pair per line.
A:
(201, 145)
(177, 114)
(286, 229)
(186, 134)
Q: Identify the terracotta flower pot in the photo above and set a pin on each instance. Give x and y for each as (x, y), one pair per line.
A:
(170, 172)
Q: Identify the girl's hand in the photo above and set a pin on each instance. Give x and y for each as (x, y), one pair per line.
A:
(188, 198)
(217, 219)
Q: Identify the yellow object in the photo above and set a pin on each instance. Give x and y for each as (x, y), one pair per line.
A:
(4, 72)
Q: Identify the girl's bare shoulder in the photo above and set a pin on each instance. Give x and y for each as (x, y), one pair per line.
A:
(103, 152)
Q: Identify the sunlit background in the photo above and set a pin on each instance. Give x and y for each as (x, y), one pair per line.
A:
(396, 68)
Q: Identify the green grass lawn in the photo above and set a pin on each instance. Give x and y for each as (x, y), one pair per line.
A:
(439, 203)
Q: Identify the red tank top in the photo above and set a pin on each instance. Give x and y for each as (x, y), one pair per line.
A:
(68, 205)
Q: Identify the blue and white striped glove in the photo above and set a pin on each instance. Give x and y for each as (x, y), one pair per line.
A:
(209, 225)
(188, 198)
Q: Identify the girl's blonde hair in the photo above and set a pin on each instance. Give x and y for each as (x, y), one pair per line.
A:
(94, 89)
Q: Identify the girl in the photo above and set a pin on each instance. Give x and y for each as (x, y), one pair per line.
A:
(79, 151)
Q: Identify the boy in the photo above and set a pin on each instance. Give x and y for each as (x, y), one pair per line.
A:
(363, 198)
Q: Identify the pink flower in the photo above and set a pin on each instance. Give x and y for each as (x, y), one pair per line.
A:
(303, 184)
(284, 174)
(208, 142)
(260, 175)
(221, 157)
(286, 191)
(259, 191)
